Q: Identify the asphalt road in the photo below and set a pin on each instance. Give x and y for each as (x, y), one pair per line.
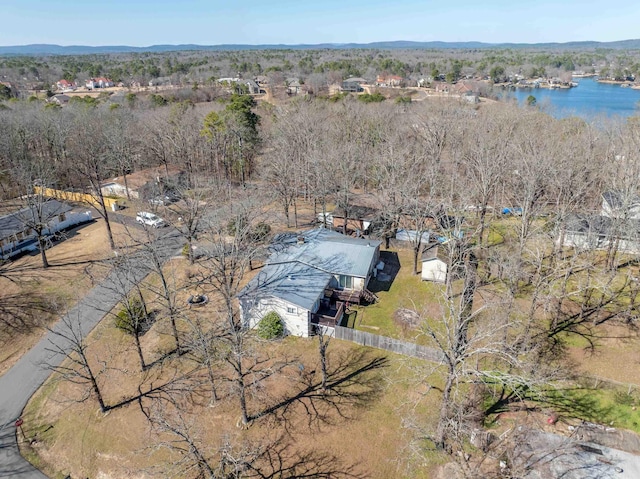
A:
(21, 381)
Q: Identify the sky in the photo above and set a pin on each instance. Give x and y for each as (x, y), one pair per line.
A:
(212, 22)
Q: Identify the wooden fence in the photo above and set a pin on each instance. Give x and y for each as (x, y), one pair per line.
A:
(388, 344)
(74, 196)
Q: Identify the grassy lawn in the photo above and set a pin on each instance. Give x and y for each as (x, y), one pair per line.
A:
(75, 438)
(406, 291)
(75, 266)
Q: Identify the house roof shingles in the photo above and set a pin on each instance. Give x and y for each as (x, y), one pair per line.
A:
(16, 222)
(294, 283)
(299, 271)
(328, 251)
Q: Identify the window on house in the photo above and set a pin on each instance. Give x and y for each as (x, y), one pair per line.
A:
(346, 282)
(291, 310)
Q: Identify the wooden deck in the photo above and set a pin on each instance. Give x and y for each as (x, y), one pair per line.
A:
(329, 317)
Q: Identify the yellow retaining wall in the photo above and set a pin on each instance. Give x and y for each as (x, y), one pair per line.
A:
(74, 196)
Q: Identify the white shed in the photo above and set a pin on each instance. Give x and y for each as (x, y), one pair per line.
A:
(434, 264)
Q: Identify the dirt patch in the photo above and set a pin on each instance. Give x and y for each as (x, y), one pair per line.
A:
(407, 319)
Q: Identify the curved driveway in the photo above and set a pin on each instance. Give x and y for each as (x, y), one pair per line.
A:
(21, 381)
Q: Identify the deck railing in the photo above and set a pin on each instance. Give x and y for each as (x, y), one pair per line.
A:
(329, 320)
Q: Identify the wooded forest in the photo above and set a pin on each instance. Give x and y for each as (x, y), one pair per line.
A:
(501, 187)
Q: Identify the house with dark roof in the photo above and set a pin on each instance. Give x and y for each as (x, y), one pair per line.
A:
(353, 84)
(356, 219)
(601, 232)
(17, 229)
(309, 280)
(60, 99)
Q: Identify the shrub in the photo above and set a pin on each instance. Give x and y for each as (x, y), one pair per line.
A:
(260, 232)
(376, 97)
(403, 99)
(237, 226)
(271, 327)
(131, 317)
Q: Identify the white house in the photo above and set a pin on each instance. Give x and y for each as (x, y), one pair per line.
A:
(100, 82)
(309, 279)
(616, 204)
(141, 184)
(16, 229)
(65, 85)
(435, 261)
(601, 233)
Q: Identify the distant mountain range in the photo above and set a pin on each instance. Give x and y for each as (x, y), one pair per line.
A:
(47, 49)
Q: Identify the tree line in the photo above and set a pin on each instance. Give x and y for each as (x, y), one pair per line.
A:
(515, 297)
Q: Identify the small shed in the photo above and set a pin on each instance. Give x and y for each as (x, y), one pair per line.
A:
(435, 261)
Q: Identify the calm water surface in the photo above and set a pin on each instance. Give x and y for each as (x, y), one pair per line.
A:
(588, 100)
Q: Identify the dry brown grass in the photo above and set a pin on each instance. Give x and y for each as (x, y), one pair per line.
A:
(75, 268)
(74, 438)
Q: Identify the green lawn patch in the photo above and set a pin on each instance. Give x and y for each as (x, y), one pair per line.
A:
(406, 291)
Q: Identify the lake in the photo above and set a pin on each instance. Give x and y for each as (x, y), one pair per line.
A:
(588, 100)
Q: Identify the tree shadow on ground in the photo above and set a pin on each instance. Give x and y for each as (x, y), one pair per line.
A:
(353, 381)
(573, 402)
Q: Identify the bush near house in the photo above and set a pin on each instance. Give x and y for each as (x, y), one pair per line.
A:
(271, 326)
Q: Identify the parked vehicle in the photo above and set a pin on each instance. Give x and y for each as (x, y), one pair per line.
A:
(163, 200)
(150, 219)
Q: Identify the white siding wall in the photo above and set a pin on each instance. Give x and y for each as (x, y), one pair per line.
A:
(296, 323)
(584, 241)
(434, 270)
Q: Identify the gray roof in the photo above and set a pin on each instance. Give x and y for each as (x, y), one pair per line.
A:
(603, 226)
(294, 283)
(433, 252)
(20, 220)
(298, 272)
(355, 80)
(357, 213)
(617, 199)
(327, 251)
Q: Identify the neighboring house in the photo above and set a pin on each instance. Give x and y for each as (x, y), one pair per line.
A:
(60, 99)
(601, 232)
(308, 279)
(293, 86)
(144, 184)
(353, 85)
(357, 219)
(252, 86)
(100, 82)
(435, 261)
(389, 80)
(262, 80)
(66, 85)
(16, 229)
(616, 204)
(412, 235)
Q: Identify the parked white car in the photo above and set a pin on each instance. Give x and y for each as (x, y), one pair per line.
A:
(150, 219)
